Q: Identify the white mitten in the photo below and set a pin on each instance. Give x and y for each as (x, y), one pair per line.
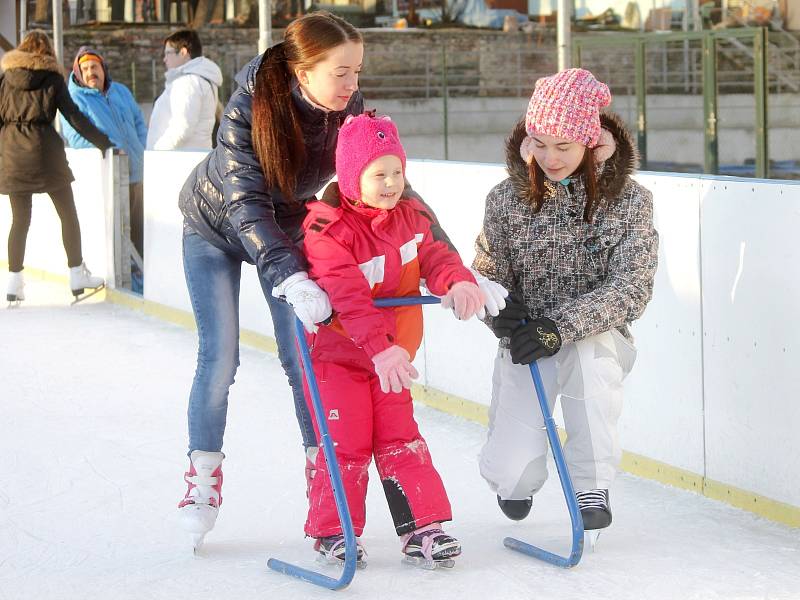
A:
(309, 301)
(494, 293)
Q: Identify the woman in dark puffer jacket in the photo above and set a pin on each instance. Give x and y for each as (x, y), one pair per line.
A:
(246, 203)
(32, 158)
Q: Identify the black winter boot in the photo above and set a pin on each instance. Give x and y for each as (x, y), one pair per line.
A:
(516, 510)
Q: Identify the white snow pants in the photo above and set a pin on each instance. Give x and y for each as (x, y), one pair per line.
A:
(587, 375)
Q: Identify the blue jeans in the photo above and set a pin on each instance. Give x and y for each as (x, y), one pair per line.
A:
(213, 278)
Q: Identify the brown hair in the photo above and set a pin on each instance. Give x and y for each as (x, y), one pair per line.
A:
(37, 41)
(185, 38)
(587, 169)
(277, 136)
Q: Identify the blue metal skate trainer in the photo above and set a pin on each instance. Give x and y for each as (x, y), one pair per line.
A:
(566, 485)
(350, 548)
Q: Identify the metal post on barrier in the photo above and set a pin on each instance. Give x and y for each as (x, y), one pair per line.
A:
(710, 109)
(445, 93)
(761, 86)
(119, 247)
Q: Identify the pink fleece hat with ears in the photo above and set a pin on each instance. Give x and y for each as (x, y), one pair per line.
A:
(567, 105)
(362, 139)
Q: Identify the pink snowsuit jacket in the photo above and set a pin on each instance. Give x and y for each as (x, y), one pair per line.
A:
(356, 254)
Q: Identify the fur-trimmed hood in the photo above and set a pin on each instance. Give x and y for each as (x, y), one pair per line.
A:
(615, 170)
(26, 71)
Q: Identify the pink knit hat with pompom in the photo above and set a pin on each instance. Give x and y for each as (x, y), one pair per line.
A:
(567, 105)
(363, 139)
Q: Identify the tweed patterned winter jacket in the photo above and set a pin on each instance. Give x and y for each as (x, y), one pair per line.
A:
(587, 277)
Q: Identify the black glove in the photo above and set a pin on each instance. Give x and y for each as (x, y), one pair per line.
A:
(534, 340)
(511, 317)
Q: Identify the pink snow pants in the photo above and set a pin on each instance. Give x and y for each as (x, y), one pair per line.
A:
(365, 422)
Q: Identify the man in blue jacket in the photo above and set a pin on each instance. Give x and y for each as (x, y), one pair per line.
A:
(113, 110)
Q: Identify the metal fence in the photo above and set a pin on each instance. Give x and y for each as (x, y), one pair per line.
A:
(709, 64)
(717, 83)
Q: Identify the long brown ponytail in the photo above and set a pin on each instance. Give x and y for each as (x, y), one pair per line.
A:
(276, 131)
(587, 168)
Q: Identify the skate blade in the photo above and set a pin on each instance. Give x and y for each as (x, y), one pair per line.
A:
(590, 538)
(197, 542)
(80, 297)
(429, 564)
(326, 560)
(12, 304)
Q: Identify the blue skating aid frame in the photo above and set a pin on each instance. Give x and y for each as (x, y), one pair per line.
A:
(566, 485)
(350, 548)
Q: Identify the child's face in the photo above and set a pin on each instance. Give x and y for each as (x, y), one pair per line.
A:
(382, 182)
(558, 158)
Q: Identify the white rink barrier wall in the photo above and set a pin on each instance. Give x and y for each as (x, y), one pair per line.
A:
(711, 404)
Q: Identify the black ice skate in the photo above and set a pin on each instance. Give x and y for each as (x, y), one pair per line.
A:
(516, 510)
(430, 548)
(596, 513)
(331, 551)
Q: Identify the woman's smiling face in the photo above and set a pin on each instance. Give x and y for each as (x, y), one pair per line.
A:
(332, 81)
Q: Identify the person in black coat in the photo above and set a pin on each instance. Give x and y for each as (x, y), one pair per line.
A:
(32, 157)
(245, 202)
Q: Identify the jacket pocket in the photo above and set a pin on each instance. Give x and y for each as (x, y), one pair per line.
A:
(598, 248)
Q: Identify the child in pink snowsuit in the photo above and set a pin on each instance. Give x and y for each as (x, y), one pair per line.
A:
(363, 240)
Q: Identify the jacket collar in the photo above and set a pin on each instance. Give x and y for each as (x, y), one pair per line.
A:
(309, 113)
(313, 114)
(613, 172)
(75, 87)
(17, 59)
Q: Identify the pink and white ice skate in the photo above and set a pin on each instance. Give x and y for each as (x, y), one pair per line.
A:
(200, 506)
(430, 548)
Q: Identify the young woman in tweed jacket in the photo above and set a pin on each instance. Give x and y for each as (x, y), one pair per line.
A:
(571, 233)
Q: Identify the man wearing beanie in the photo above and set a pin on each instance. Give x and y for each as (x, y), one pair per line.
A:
(113, 110)
(571, 234)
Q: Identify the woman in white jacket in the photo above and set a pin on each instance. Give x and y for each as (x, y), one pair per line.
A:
(184, 115)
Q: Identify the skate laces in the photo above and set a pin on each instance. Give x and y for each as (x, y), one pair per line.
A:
(592, 499)
(333, 546)
(426, 537)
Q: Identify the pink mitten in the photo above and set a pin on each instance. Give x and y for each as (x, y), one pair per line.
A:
(465, 298)
(394, 369)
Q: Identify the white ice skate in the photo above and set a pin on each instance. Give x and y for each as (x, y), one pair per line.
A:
(200, 506)
(80, 278)
(15, 290)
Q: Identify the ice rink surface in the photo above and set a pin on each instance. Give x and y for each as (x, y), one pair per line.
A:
(93, 441)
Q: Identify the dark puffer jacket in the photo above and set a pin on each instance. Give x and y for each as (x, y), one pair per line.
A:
(32, 158)
(227, 201)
